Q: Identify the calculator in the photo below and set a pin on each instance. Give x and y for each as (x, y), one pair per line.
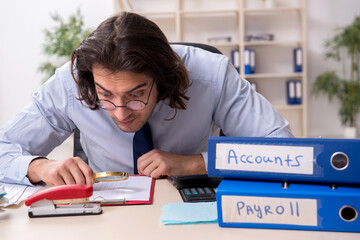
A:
(196, 188)
(201, 194)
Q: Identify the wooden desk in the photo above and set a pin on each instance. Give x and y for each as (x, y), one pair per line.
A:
(138, 222)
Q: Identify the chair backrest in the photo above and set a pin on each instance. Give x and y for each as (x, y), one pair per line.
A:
(200, 45)
(78, 150)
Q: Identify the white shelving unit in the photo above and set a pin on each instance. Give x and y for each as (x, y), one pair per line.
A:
(199, 20)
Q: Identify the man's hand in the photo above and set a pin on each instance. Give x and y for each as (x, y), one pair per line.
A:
(157, 163)
(69, 171)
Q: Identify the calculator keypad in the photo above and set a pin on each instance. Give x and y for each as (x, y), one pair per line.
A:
(201, 194)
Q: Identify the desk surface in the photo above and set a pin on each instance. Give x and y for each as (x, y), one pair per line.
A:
(138, 222)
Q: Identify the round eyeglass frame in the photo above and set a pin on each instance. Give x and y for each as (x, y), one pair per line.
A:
(135, 105)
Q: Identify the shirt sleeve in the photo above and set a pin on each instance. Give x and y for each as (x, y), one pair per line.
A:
(44, 124)
(243, 112)
(205, 157)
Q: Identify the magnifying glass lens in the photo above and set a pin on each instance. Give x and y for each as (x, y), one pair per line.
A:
(110, 176)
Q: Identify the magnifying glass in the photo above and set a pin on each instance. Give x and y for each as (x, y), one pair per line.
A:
(110, 176)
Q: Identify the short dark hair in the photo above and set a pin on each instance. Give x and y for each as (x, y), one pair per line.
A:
(130, 42)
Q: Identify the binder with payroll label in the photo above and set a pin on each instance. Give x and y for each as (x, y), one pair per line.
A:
(255, 204)
(285, 159)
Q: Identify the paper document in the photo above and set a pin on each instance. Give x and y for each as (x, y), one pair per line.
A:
(2, 190)
(135, 189)
(16, 193)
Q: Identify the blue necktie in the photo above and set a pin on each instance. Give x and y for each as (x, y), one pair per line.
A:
(142, 143)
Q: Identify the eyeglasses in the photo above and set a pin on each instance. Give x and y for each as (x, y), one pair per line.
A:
(135, 105)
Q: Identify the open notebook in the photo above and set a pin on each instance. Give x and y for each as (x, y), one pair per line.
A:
(135, 190)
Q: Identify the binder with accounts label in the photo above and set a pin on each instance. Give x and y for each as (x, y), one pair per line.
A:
(291, 92)
(254, 204)
(298, 63)
(285, 159)
(235, 58)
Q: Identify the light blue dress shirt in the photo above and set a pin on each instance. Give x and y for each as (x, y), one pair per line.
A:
(219, 98)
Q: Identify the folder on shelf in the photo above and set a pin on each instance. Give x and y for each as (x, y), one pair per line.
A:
(247, 60)
(298, 92)
(294, 92)
(252, 61)
(254, 204)
(285, 159)
(298, 60)
(291, 92)
(235, 58)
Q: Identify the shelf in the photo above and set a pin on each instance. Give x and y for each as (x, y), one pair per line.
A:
(199, 21)
(210, 12)
(271, 10)
(274, 75)
(289, 107)
(276, 42)
(159, 14)
(225, 44)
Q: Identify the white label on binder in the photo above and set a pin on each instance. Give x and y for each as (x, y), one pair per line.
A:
(291, 89)
(299, 57)
(252, 58)
(236, 58)
(298, 89)
(265, 158)
(247, 57)
(248, 209)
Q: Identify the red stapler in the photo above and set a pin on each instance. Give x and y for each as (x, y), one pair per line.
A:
(64, 200)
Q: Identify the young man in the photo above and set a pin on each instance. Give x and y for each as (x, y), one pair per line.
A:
(124, 75)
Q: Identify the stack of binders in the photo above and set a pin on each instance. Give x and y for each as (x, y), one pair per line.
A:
(294, 92)
(249, 60)
(287, 183)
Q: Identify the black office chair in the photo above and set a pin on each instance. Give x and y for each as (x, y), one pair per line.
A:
(200, 45)
(78, 150)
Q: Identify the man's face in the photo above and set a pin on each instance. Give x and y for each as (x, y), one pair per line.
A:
(120, 88)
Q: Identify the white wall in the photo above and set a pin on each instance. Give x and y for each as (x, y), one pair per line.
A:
(323, 17)
(22, 23)
(21, 35)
